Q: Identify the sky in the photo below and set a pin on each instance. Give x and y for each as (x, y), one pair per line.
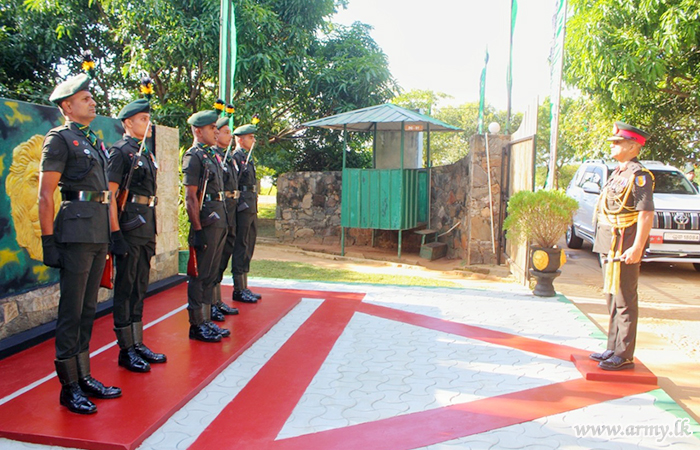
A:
(440, 45)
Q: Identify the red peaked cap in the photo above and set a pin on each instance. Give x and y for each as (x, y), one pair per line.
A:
(623, 131)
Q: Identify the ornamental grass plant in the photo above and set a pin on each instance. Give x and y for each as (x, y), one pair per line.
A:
(540, 217)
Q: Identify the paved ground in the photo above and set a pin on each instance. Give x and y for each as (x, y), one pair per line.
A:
(668, 339)
(386, 372)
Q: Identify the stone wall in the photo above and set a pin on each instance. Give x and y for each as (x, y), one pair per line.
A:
(25, 311)
(480, 237)
(308, 207)
(448, 205)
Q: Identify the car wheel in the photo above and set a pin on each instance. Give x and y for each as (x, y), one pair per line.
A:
(573, 241)
(697, 267)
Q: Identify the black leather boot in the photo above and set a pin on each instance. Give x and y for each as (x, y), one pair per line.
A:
(226, 310)
(128, 358)
(217, 315)
(199, 329)
(145, 352)
(223, 332)
(72, 397)
(91, 386)
(245, 289)
(239, 294)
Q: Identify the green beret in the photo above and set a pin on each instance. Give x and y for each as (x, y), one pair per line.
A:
(245, 129)
(71, 86)
(203, 118)
(133, 108)
(222, 122)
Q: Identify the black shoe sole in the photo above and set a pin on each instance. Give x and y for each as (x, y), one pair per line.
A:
(620, 367)
(201, 339)
(135, 369)
(154, 361)
(102, 397)
(79, 411)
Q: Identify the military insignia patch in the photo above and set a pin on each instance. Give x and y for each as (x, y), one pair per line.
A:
(640, 180)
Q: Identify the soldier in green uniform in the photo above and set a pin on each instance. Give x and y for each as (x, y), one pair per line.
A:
(626, 214)
(247, 213)
(77, 240)
(137, 222)
(230, 167)
(201, 168)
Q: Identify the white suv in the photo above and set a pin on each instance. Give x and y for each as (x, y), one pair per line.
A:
(675, 234)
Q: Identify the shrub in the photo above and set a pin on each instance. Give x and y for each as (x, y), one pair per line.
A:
(539, 217)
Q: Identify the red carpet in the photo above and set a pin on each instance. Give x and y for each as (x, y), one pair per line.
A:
(149, 399)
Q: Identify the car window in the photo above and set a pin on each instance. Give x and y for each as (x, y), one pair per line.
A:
(593, 174)
(671, 182)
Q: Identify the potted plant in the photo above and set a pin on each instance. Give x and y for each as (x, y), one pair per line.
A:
(541, 218)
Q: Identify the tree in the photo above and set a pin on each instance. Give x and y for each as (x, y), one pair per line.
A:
(40, 41)
(293, 64)
(447, 148)
(640, 63)
(582, 133)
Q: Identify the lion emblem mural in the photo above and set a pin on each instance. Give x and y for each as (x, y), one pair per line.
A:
(22, 187)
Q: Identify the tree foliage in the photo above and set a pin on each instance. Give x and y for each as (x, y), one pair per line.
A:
(583, 130)
(640, 62)
(448, 147)
(293, 64)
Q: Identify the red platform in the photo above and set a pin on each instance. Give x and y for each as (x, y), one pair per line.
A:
(148, 399)
(640, 374)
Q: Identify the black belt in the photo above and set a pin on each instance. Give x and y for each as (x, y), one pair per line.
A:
(248, 188)
(218, 197)
(87, 196)
(233, 194)
(144, 199)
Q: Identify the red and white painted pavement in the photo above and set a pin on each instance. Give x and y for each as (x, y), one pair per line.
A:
(334, 366)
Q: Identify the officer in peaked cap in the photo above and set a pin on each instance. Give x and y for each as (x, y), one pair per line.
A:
(132, 162)
(246, 216)
(626, 213)
(223, 147)
(203, 178)
(77, 240)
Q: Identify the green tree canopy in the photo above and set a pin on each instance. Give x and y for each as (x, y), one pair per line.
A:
(293, 64)
(640, 62)
(447, 148)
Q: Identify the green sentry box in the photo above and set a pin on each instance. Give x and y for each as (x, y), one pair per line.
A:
(433, 250)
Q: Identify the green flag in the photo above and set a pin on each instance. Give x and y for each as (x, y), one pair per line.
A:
(482, 93)
(509, 75)
(227, 50)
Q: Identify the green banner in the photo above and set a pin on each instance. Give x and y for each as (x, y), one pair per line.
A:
(227, 51)
(509, 75)
(482, 94)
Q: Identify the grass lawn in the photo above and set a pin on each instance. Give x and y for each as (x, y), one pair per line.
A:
(302, 271)
(266, 210)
